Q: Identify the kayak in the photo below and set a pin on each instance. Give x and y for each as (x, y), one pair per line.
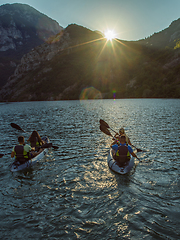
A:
(114, 166)
(16, 166)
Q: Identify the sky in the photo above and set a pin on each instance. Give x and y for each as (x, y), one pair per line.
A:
(129, 19)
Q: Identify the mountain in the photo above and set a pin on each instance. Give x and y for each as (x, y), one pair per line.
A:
(22, 28)
(79, 63)
(166, 38)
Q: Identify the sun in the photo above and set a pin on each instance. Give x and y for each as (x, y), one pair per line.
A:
(110, 34)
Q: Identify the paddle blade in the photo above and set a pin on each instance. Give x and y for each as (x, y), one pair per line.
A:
(49, 145)
(16, 127)
(46, 145)
(105, 130)
(102, 122)
(55, 147)
(1, 155)
(139, 150)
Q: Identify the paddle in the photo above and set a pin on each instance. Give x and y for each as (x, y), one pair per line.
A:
(1, 155)
(103, 128)
(17, 127)
(49, 145)
(14, 125)
(103, 123)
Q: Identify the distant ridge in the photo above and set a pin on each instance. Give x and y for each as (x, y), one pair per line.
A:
(165, 38)
(78, 63)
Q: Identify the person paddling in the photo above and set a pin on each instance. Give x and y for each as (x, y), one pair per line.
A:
(22, 152)
(122, 132)
(35, 140)
(121, 152)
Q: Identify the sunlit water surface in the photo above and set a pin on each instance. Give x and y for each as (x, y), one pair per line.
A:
(71, 193)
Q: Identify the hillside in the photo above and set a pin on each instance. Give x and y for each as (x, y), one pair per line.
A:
(79, 63)
(167, 38)
(22, 28)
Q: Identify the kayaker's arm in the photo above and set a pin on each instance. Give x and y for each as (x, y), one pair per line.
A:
(115, 142)
(12, 154)
(116, 135)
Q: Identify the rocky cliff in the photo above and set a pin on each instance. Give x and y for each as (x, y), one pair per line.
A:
(80, 63)
(21, 29)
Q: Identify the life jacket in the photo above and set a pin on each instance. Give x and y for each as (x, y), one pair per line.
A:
(36, 144)
(20, 154)
(122, 155)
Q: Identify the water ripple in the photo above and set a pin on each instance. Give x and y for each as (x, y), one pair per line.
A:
(71, 193)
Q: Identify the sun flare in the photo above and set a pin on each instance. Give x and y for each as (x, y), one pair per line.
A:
(110, 34)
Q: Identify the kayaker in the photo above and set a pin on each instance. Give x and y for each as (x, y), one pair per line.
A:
(22, 152)
(121, 152)
(35, 140)
(122, 132)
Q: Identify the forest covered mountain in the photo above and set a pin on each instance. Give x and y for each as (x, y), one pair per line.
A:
(80, 63)
(167, 38)
(21, 29)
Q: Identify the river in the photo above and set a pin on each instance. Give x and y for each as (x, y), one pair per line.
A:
(71, 193)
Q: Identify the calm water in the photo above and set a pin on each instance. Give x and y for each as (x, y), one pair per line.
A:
(71, 193)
